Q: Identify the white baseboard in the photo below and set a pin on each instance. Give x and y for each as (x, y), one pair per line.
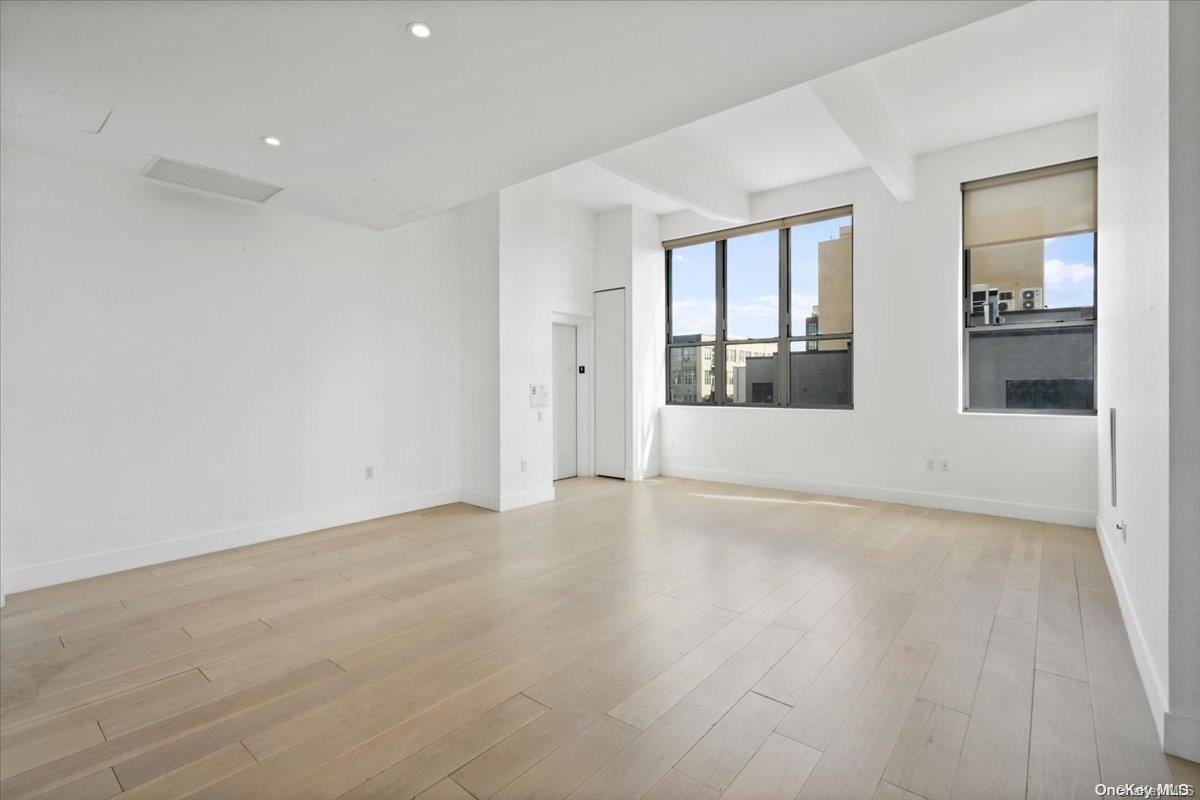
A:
(975, 505)
(489, 501)
(1156, 694)
(508, 502)
(532, 497)
(1181, 736)
(35, 576)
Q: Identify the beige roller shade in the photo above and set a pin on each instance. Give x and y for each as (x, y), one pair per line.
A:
(1030, 205)
(758, 227)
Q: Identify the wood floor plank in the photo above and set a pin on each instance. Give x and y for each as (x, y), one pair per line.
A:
(413, 775)
(853, 764)
(954, 674)
(725, 749)
(487, 774)
(564, 769)
(677, 786)
(776, 772)
(995, 752)
(1060, 631)
(926, 756)
(23, 752)
(645, 760)
(100, 785)
(1062, 740)
(445, 789)
(163, 734)
(1019, 596)
(464, 654)
(193, 777)
(654, 699)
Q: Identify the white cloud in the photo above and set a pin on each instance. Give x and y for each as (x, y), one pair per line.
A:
(1058, 272)
(764, 306)
(803, 304)
(690, 315)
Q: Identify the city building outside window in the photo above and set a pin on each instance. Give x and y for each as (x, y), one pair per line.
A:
(764, 313)
(1029, 291)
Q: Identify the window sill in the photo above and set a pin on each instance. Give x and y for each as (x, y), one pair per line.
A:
(1043, 414)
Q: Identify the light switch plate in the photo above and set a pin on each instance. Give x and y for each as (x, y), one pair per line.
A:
(538, 396)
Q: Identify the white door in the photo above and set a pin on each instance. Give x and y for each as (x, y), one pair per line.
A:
(610, 383)
(566, 407)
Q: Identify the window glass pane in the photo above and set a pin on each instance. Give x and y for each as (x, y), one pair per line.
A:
(1048, 369)
(821, 373)
(752, 286)
(751, 372)
(1028, 279)
(694, 293)
(693, 374)
(821, 255)
(1069, 272)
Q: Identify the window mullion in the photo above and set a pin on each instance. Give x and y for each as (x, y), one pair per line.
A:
(719, 394)
(783, 348)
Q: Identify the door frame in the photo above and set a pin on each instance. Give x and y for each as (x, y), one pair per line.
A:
(585, 450)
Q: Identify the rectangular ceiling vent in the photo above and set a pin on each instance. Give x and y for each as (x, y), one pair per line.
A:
(210, 180)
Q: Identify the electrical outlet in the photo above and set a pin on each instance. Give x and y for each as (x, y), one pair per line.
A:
(929, 465)
(945, 466)
(369, 472)
(1122, 530)
(524, 465)
(539, 416)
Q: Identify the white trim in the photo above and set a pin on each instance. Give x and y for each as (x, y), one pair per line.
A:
(973, 505)
(1156, 694)
(489, 501)
(509, 502)
(585, 431)
(35, 576)
(1181, 736)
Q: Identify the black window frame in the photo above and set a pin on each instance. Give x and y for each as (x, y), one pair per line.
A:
(785, 336)
(969, 328)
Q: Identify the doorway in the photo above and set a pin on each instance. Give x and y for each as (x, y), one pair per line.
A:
(566, 401)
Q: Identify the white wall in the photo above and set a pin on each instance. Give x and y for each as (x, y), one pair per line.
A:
(1182, 722)
(630, 256)
(527, 257)
(647, 340)
(479, 321)
(907, 353)
(1148, 366)
(183, 372)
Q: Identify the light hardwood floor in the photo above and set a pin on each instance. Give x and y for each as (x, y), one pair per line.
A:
(666, 639)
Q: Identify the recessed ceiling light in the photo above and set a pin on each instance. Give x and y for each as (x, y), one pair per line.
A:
(272, 141)
(419, 30)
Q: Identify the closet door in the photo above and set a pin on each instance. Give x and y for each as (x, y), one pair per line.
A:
(610, 383)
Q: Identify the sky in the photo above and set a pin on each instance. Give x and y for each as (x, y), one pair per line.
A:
(1070, 271)
(752, 273)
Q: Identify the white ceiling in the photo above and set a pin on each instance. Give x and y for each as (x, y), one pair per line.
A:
(784, 138)
(379, 128)
(1033, 65)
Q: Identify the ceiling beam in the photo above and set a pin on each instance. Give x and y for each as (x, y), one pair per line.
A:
(674, 172)
(853, 99)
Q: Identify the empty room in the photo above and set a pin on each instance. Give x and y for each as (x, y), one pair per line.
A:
(538, 399)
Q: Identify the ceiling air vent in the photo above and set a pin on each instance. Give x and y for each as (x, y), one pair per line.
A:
(210, 180)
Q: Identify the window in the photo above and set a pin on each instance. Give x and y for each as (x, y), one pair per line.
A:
(1029, 305)
(764, 313)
